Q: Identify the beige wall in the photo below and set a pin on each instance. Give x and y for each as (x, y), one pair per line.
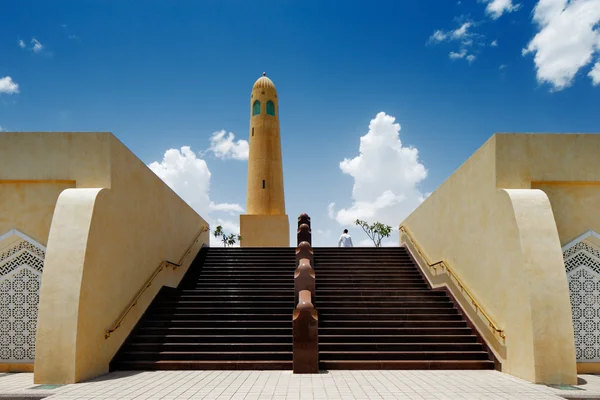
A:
(28, 206)
(111, 228)
(265, 231)
(575, 207)
(501, 238)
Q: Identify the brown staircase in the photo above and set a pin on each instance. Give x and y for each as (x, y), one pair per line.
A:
(232, 310)
(376, 311)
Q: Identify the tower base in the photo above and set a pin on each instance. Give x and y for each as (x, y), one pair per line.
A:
(265, 231)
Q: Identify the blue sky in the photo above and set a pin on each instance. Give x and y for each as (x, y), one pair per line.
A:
(162, 75)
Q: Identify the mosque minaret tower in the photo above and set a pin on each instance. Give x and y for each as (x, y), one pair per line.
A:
(265, 223)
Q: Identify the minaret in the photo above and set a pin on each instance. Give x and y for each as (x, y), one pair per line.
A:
(265, 224)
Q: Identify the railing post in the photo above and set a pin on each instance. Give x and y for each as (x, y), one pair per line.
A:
(303, 219)
(305, 320)
(305, 327)
(304, 250)
(304, 234)
(304, 279)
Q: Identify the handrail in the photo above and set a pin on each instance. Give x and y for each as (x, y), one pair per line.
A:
(148, 283)
(461, 285)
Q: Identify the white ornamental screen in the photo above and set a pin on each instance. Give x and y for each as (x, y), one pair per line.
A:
(582, 264)
(21, 266)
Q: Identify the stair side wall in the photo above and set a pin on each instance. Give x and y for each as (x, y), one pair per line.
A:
(110, 230)
(499, 234)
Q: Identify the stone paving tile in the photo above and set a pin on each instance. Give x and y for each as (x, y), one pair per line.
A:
(283, 385)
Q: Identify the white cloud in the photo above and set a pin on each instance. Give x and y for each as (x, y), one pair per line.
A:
(331, 210)
(595, 74)
(438, 36)
(496, 8)
(462, 54)
(37, 46)
(2, 128)
(494, 43)
(502, 66)
(386, 176)
(224, 146)
(21, 44)
(462, 31)
(226, 207)
(567, 39)
(455, 56)
(457, 34)
(189, 177)
(8, 86)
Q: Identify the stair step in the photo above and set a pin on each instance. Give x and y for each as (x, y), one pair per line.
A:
(203, 365)
(390, 324)
(204, 355)
(403, 355)
(406, 364)
(399, 302)
(364, 337)
(212, 347)
(190, 323)
(241, 330)
(393, 331)
(324, 310)
(214, 338)
(400, 346)
(228, 303)
(225, 310)
(388, 317)
(218, 317)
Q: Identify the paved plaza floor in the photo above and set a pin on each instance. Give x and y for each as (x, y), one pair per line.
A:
(259, 385)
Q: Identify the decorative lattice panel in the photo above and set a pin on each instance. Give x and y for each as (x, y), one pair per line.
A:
(582, 264)
(21, 268)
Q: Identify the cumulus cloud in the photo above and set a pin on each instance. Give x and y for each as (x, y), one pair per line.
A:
(496, 8)
(8, 86)
(21, 44)
(567, 38)
(494, 43)
(386, 176)
(189, 177)
(503, 66)
(595, 74)
(2, 128)
(224, 146)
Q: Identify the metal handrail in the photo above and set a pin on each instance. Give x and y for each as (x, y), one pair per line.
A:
(148, 283)
(461, 285)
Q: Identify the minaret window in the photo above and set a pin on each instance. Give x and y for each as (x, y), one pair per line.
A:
(256, 107)
(264, 184)
(252, 131)
(270, 108)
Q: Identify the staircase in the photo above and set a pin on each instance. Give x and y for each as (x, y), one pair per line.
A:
(232, 310)
(376, 311)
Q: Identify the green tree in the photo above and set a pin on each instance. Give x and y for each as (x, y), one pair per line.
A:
(228, 240)
(376, 232)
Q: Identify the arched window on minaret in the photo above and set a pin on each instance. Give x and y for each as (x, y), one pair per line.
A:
(270, 108)
(256, 107)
